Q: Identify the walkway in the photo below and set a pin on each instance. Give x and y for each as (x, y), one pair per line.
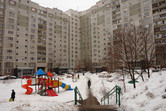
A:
(91, 104)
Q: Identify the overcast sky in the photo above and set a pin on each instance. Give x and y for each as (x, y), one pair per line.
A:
(65, 5)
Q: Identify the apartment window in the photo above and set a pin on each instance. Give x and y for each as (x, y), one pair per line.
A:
(31, 64)
(8, 71)
(11, 26)
(145, 2)
(9, 57)
(12, 9)
(146, 14)
(159, 22)
(1, 32)
(11, 14)
(11, 20)
(33, 9)
(32, 30)
(1, 6)
(11, 2)
(2, 1)
(9, 64)
(1, 25)
(10, 38)
(1, 13)
(33, 25)
(10, 32)
(147, 20)
(156, 17)
(50, 24)
(146, 8)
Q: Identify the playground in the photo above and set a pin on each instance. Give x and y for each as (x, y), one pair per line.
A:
(45, 84)
(132, 100)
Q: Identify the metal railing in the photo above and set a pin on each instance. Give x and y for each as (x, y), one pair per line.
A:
(116, 90)
(77, 92)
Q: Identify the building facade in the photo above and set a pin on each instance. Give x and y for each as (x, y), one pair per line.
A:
(33, 37)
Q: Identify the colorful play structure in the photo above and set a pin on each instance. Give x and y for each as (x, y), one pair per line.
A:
(44, 84)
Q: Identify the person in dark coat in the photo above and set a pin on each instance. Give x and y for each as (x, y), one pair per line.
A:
(89, 84)
(13, 95)
(78, 76)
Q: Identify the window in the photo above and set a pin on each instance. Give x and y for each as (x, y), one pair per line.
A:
(145, 2)
(10, 38)
(1, 13)
(9, 64)
(1, 6)
(9, 71)
(32, 30)
(146, 14)
(12, 8)
(146, 8)
(10, 32)
(9, 51)
(11, 2)
(33, 9)
(33, 25)
(9, 57)
(11, 14)
(11, 26)
(11, 20)
(2, 1)
(1, 25)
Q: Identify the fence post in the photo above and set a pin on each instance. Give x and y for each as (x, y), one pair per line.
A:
(116, 94)
(108, 98)
(119, 95)
(75, 90)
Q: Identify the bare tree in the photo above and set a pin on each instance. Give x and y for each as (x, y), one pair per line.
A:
(148, 48)
(132, 45)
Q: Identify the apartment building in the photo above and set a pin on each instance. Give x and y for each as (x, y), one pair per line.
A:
(159, 21)
(74, 39)
(33, 37)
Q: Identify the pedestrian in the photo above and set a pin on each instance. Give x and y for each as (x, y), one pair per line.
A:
(13, 94)
(83, 73)
(89, 83)
(78, 76)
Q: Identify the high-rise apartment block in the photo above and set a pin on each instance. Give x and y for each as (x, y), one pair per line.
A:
(33, 37)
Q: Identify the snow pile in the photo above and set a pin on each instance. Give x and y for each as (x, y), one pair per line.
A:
(148, 95)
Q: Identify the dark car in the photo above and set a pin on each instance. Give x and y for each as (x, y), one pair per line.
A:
(7, 77)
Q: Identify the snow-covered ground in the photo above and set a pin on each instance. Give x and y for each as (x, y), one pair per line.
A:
(146, 97)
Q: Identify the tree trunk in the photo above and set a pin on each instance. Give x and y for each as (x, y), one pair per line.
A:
(134, 83)
(124, 85)
(148, 73)
(142, 76)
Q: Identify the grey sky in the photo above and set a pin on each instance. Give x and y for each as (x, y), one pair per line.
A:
(64, 5)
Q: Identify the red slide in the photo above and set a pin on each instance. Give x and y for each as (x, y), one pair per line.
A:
(51, 92)
(25, 86)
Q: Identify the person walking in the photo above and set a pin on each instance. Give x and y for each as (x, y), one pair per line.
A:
(13, 94)
(89, 83)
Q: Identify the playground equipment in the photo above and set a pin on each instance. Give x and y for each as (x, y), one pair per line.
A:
(46, 83)
(26, 86)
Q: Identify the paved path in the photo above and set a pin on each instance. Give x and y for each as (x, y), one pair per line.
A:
(91, 104)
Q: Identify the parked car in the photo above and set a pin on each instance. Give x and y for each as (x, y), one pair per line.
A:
(7, 77)
(163, 69)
